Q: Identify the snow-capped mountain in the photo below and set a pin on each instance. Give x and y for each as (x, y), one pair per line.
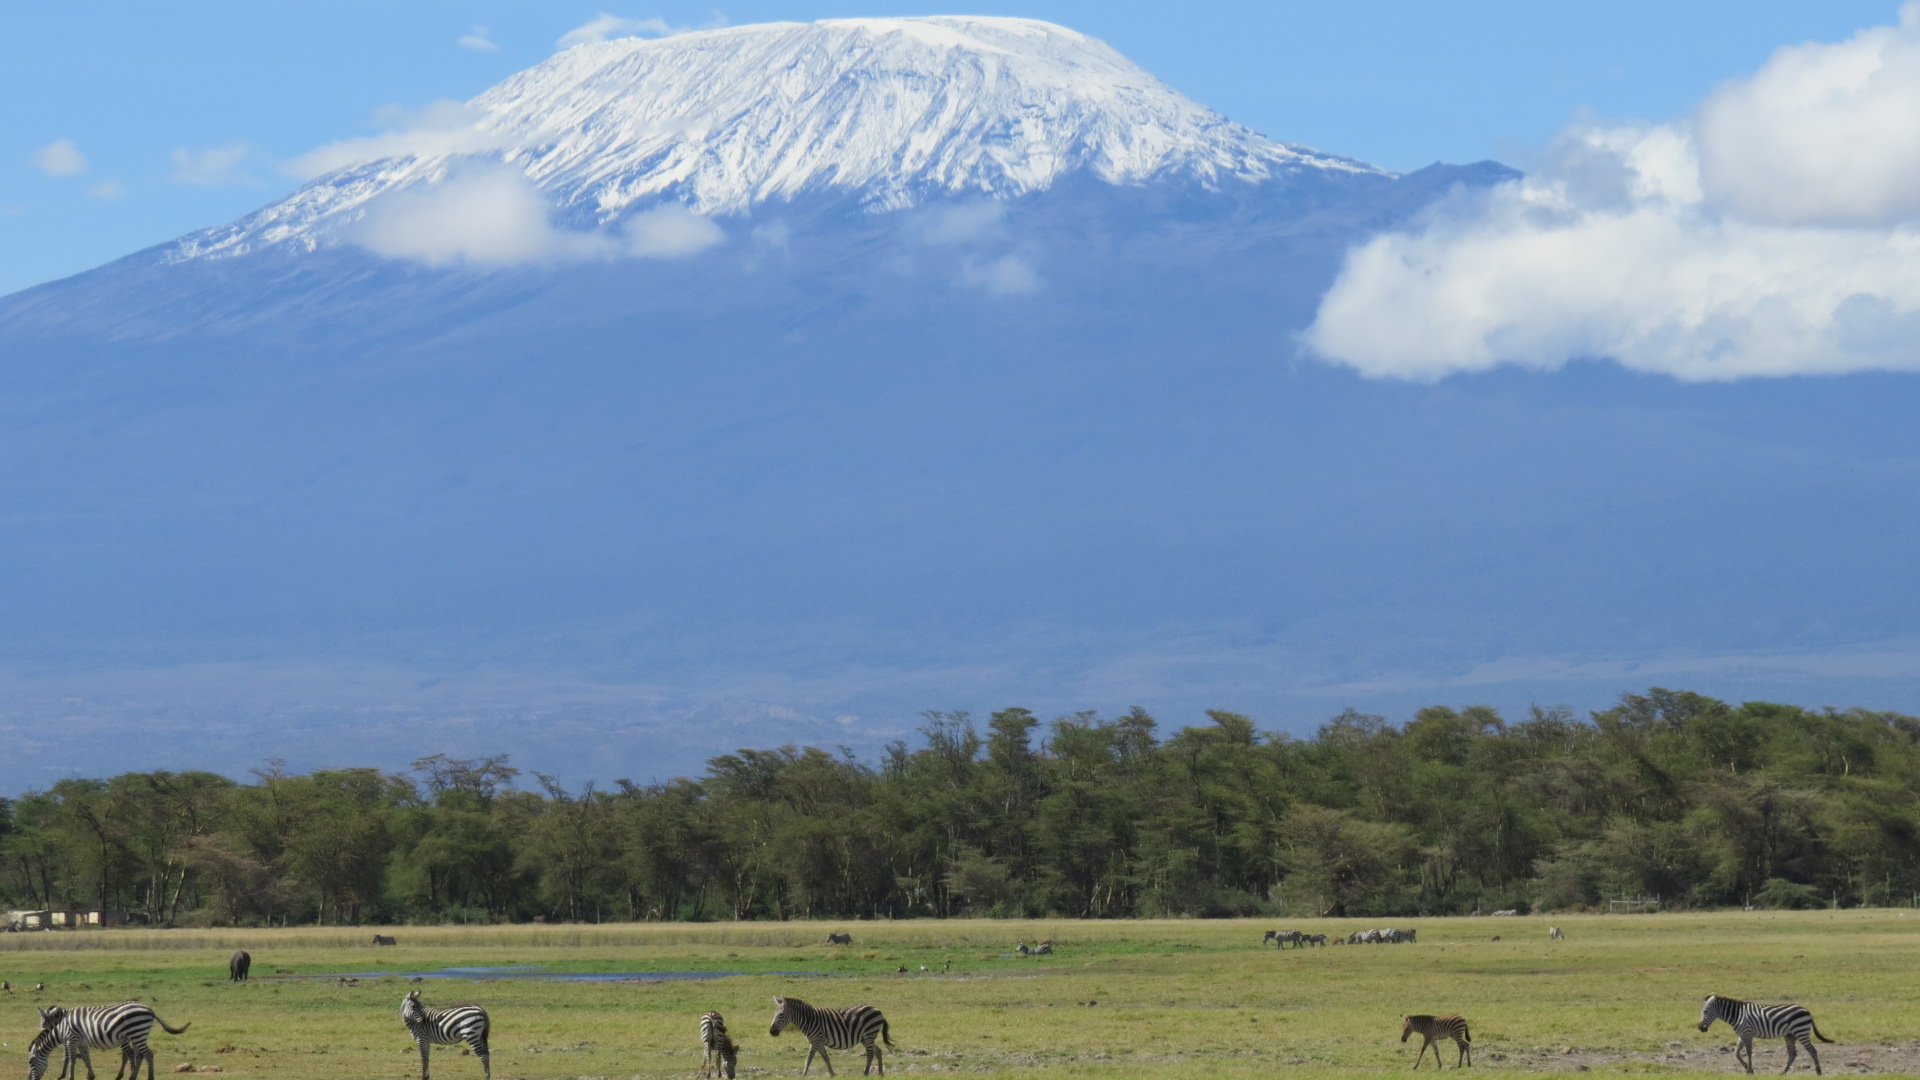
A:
(888, 112)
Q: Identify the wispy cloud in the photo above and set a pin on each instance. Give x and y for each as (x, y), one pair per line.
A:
(60, 158)
(492, 215)
(477, 40)
(107, 189)
(444, 127)
(605, 27)
(1008, 275)
(212, 168)
(1775, 233)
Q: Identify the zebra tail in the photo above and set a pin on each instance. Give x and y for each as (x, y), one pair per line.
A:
(884, 1036)
(171, 1030)
(1817, 1035)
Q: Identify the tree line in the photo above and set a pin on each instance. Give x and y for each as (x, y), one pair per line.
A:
(1668, 794)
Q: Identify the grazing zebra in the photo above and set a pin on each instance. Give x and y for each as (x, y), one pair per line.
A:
(1434, 1028)
(1282, 938)
(720, 1050)
(833, 1029)
(1045, 948)
(1750, 1021)
(446, 1027)
(1314, 939)
(97, 1027)
(1554, 934)
(382, 939)
(839, 939)
(238, 965)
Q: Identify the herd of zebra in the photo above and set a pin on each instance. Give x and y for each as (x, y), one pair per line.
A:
(127, 1026)
(1300, 939)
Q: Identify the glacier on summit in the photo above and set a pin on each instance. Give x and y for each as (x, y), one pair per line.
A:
(887, 112)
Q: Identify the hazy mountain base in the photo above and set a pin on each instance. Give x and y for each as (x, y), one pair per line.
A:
(825, 470)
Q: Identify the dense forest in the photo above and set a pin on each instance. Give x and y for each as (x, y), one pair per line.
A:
(1669, 795)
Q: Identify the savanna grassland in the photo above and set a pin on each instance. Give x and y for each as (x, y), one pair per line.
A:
(1168, 998)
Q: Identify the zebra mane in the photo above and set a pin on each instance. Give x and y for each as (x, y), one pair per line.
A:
(1725, 1000)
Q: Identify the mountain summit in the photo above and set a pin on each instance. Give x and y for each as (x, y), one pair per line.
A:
(888, 112)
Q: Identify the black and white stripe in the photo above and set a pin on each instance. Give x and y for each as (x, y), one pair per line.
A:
(1750, 1021)
(1434, 1028)
(447, 1027)
(833, 1029)
(719, 1049)
(97, 1027)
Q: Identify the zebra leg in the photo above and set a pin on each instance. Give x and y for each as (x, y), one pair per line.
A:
(706, 1068)
(1465, 1054)
(423, 1058)
(1745, 1047)
(1812, 1053)
(824, 1059)
(486, 1059)
(873, 1059)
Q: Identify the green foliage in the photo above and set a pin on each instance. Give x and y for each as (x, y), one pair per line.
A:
(1668, 794)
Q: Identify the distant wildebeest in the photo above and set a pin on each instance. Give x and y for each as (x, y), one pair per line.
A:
(382, 939)
(1751, 1021)
(1554, 934)
(237, 966)
(1435, 1028)
(839, 939)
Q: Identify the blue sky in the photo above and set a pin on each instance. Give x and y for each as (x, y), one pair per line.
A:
(124, 125)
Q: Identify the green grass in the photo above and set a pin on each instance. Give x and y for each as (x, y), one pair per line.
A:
(1171, 999)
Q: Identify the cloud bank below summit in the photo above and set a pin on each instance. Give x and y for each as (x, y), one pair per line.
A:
(1776, 233)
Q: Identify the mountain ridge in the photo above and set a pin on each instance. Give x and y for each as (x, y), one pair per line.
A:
(889, 112)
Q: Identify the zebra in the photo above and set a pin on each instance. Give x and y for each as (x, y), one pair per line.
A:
(1045, 948)
(382, 939)
(238, 965)
(1750, 1021)
(97, 1027)
(445, 1027)
(839, 939)
(1434, 1028)
(720, 1050)
(1282, 938)
(1554, 934)
(833, 1029)
(1314, 939)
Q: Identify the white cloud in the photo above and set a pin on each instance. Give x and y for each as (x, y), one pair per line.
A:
(491, 214)
(444, 127)
(477, 40)
(1008, 275)
(483, 215)
(107, 189)
(212, 168)
(1774, 235)
(60, 158)
(1822, 133)
(669, 232)
(960, 223)
(605, 27)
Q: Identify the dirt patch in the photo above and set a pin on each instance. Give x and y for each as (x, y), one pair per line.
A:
(1838, 1058)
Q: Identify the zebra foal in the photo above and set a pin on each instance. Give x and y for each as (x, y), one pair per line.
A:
(720, 1052)
(833, 1029)
(1434, 1028)
(97, 1027)
(1750, 1021)
(450, 1026)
